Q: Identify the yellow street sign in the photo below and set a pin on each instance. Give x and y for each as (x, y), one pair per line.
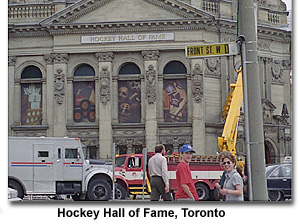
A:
(221, 49)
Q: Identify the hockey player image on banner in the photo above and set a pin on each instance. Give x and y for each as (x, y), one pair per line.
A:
(84, 102)
(175, 101)
(129, 102)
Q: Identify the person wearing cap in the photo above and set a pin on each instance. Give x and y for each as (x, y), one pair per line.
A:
(185, 186)
(157, 167)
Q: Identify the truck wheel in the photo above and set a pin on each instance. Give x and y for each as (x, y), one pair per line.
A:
(15, 185)
(120, 192)
(99, 190)
(274, 195)
(202, 191)
(215, 194)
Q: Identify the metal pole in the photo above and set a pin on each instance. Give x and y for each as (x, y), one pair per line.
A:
(144, 170)
(113, 172)
(248, 28)
(245, 97)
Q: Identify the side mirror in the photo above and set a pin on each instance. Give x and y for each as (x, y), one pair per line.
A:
(78, 155)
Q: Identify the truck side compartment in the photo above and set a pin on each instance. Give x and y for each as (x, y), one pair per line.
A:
(50, 166)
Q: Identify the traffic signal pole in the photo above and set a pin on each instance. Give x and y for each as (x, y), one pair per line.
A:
(255, 135)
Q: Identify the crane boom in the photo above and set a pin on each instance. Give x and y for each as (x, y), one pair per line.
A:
(231, 114)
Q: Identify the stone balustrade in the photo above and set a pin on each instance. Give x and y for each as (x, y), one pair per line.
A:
(30, 11)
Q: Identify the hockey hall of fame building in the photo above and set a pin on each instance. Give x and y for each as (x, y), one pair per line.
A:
(115, 71)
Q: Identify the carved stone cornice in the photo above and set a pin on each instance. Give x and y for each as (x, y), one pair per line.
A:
(150, 54)
(83, 7)
(104, 56)
(175, 140)
(49, 59)
(129, 141)
(12, 60)
(59, 58)
(264, 59)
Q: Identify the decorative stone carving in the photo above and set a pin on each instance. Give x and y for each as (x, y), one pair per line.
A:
(263, 45)
(90, 141)
(197, 84)
(129, 142)
(60, 58)
(12, 60)
(276, 71)
(49, 58)
(213, 65)
(262, 2)
(287, 64)
(268, 110)
(150, 55)
(104, 85)
(176, 141)
(228, 38)
(104, 56)
(59, 86)
(282, 6)
(150, 84)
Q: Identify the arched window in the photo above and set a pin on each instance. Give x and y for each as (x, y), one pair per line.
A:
(31, 72)
(84, 94)
(175, 67)
(31, 96)
(84, 70)
(175, 92)
(129, 68)
(129, 94)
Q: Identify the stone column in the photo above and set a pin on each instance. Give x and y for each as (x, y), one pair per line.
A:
(60, 91)
(151, 78)
(105, 106)
(268, 78)
(11, 92)
(198, 120)
(49, 94)
(287, 84)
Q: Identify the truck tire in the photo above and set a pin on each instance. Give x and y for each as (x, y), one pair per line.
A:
(202, 191)
(99, 190)
(15, 185)
(120, 192)
(274, 195)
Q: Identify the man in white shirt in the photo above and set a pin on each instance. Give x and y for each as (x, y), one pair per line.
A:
(157, 167)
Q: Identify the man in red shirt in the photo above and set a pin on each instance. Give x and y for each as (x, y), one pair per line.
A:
(185, 186)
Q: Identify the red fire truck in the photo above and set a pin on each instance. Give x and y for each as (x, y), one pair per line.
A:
(205, 171)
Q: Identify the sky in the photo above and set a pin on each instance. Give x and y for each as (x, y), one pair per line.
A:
(288, 3)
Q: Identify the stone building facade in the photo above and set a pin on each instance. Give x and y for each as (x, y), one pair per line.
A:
(114, 71)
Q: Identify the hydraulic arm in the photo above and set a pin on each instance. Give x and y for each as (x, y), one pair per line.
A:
(231, 114)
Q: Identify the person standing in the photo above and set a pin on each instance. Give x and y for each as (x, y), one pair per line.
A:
(220, 184)
(233, 184)
(185, 186)
(157, 167)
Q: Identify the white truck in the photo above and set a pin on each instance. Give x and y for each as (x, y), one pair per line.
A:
(56, 166)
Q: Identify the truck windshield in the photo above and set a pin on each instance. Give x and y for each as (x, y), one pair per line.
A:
(120, 161)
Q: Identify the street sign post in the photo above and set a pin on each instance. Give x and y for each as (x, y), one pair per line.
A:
(212, 50)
